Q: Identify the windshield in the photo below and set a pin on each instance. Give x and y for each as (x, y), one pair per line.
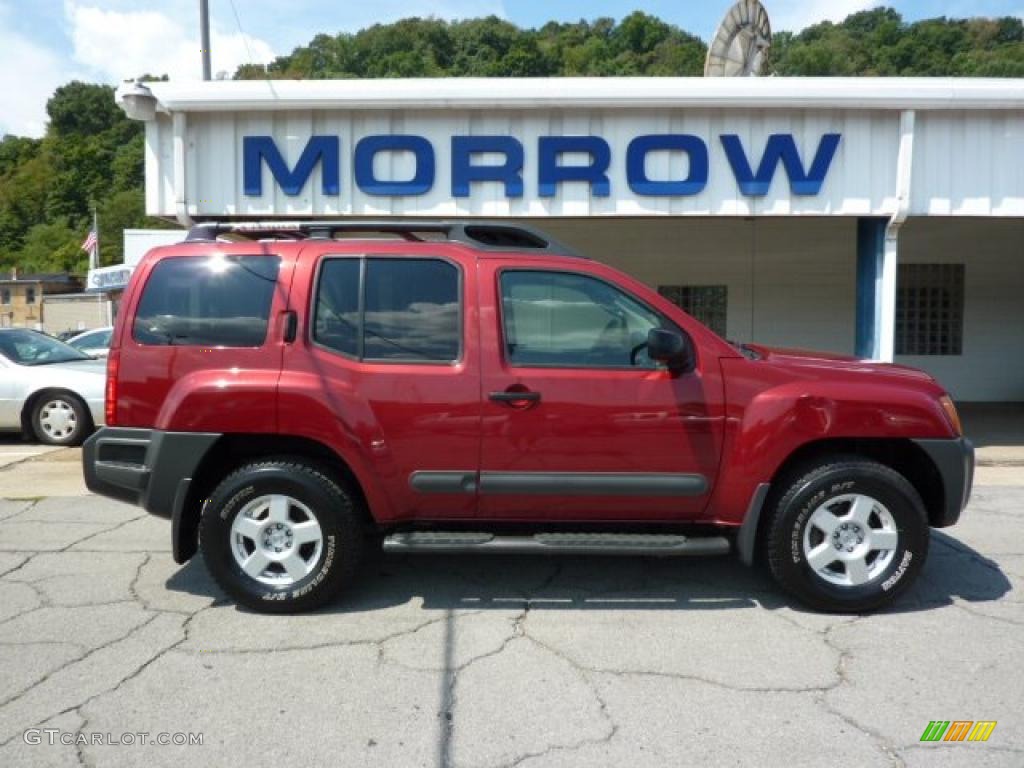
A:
(94, 340)
(33, 348)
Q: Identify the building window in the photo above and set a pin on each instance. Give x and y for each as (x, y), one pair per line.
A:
(706, 303)
(30, 295)
(930, 309)
(5, 296)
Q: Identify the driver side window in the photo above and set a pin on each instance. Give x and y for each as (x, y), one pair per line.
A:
(566, 320)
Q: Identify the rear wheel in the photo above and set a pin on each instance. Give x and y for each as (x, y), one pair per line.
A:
(60, 418)
(281, 536)
(847, 535)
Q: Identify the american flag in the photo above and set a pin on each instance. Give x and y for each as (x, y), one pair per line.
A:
(90, 242)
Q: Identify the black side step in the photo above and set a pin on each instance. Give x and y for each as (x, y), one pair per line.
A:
(662, 545)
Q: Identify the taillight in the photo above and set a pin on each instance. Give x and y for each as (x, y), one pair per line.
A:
(113, 363)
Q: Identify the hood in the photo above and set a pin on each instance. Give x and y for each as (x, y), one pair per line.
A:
(808, 361)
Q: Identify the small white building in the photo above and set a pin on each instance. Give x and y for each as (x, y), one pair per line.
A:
(880, 217)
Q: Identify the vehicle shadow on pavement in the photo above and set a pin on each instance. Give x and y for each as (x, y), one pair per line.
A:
(507, 582)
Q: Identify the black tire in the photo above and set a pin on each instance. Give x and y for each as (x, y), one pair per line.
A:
(806, 491)
(43, 428)
(335, 509)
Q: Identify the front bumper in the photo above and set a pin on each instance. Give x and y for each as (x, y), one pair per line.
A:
(954, 460)
(147, 467)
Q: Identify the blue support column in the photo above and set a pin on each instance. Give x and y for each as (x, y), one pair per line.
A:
(870, 259)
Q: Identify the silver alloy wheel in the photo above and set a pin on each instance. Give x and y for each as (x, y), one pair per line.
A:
(57, 419)
(850, 540)
(276, 540)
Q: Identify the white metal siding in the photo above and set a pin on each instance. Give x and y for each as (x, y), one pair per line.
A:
(861, 179)
(968, 164)
(992, 252)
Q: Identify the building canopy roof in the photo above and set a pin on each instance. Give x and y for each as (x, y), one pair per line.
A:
(515, 93)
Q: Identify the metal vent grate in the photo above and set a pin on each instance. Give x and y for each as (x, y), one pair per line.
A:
(705, 303)
(930, 309)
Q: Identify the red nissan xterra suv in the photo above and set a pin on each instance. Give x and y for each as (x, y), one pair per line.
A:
(291, 395)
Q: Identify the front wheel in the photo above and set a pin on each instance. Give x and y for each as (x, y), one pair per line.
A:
(847, 536)
(281, 536)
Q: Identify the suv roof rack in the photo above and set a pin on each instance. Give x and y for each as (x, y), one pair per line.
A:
(483, 235)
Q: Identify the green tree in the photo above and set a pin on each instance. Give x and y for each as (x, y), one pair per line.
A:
(122, 210)
(83, 109)
(53, 247)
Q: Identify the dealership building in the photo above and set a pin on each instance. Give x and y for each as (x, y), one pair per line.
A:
(877, 217)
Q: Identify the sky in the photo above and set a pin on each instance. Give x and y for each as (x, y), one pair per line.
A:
(45, 43)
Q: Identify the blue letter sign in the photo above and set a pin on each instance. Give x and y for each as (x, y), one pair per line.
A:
(256, 149)
(509, 173)
(419, 184)
(781, 146)
(467, 168)
(636, 170)
(595, 173)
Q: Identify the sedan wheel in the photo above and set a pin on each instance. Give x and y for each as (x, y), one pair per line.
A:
(59, 420)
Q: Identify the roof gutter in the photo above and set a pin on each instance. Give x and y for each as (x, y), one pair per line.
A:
(180, 128)
(890, 254)
(497, 94)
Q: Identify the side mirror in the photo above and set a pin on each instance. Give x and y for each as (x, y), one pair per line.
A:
(669, 347)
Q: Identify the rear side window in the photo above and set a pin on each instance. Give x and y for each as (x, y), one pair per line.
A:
(390, 309)
(210, 301)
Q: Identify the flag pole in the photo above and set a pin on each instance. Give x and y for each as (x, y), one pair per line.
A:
(94, 257)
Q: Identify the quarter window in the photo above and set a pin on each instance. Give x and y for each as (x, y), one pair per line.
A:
(337, 308)
(559, 319)
(409, 309)
(930, 309)
(217, 301)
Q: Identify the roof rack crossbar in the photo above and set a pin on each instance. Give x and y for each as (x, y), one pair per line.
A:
(484, 235)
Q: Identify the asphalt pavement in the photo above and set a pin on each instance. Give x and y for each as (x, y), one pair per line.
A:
(490, 661)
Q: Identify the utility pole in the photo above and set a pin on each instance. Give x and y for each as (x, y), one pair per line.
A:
(204, 34)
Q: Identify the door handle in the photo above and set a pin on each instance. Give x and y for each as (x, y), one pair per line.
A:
(291, 326)
(514, 396)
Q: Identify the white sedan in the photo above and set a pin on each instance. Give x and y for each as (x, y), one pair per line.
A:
(95, 342)
(48, 389)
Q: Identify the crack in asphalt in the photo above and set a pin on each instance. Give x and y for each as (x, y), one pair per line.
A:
(15, 568)
(92, 652)
(845, 655)
(584, 675)
(80, 708)
(29, 505)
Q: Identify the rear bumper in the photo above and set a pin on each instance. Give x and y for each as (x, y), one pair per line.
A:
(955, 461)
(147, 467)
